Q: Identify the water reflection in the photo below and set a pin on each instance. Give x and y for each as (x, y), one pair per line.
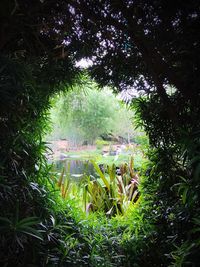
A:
(76, 168)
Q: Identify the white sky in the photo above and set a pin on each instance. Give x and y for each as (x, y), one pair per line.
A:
(84, 63)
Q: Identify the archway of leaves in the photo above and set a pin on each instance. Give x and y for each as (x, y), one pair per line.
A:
(154, 43)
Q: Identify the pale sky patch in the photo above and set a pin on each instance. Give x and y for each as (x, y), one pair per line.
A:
(84, 63)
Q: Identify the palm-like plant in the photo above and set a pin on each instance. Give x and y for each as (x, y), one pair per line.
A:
(112, 193)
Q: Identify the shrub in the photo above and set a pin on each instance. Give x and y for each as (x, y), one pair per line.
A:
(101, 143)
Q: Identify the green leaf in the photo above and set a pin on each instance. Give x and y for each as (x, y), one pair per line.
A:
(184, 195)
(28, 221)
(98, 170)
(32, 233)
(6, 220)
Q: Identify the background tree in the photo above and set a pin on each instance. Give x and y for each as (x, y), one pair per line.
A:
(85, 115)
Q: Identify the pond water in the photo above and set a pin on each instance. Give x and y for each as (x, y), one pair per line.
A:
(76, 168)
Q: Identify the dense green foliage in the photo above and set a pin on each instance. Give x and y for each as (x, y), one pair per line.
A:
(176, 168)
(25, 198)
(144, 44)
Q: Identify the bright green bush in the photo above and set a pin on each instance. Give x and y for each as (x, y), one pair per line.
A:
(141, 139)
(101, 143)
